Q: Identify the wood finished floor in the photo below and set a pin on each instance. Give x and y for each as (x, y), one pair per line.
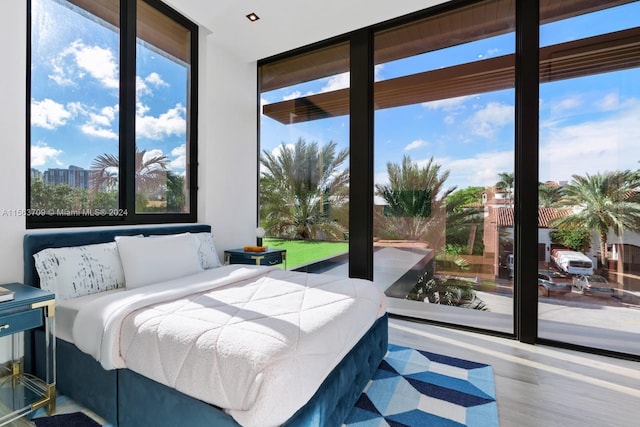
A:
(536, 386)
(539, 386)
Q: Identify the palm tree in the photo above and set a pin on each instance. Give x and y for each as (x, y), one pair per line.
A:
(505, 183)
(465, 221)
(415, 201)
(300, 186)
(603, 202)
(149, 173)
(549, 196)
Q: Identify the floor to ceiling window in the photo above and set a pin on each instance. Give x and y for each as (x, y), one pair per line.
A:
(589, 247)
(304, 158)
(460, 160)
(444, 165)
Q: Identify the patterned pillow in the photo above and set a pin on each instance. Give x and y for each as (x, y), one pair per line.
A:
(76, 271)
(207, 251)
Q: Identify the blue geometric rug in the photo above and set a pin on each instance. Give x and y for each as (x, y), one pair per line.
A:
(68, 414)
(74, 419)
(417, 388)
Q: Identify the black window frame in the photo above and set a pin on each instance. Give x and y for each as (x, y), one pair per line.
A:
(526, 153)
(127, 105)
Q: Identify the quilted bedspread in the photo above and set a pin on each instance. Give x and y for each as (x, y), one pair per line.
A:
(255, 341)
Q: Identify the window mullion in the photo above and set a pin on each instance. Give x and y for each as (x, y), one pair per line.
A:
(127, 148)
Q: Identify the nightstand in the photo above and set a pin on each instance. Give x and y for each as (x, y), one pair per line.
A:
(21, 392)
(269, 257)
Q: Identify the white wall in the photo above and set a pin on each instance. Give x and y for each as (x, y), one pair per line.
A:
(13, 30)
(228, 147)
(12, 170)
(227, 143)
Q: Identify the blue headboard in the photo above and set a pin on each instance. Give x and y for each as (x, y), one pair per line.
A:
(35, 242)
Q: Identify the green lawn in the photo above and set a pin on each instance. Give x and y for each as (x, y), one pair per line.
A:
(301, 252)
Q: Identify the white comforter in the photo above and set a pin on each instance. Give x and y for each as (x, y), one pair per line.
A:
(255, 341)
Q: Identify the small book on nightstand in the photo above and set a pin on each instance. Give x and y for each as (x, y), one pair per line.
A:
(6, 294)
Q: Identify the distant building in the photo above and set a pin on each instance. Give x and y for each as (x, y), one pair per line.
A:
(36, 174)
(75, 177)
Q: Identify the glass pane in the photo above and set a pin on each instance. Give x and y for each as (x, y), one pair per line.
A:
(444, 162)
(589, 173)
(74, 107)
(304, 158)
(162, 111)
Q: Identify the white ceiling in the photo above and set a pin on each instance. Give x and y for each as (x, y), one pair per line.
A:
(287, 24)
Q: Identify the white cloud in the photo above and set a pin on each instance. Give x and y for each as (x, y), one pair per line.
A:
(566, 104)
(76, 108)
(481, 169)
(60, 73)
(415, 144)
(49, 114)
(106, 116)
(448, 104)
(179, 163)
(144, 86)
(490, 53)
(141, 87)
(100, 63)
(278, 149)
(100, 124)
(173, 122)
(337, 82)
(487, 121)
(609, 102)
(149, 154)
(377, 72)
(98, 132)
(154, 79)
(380, 178)
(41, 154)
(179, 151)
(78, 59)
(607, 144)
(180, 157)
(293, 95)
(141, 109)
(454, 106)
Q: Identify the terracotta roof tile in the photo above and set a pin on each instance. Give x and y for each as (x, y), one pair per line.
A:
(545, 216)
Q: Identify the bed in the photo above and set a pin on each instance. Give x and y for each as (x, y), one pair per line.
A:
(150, 385)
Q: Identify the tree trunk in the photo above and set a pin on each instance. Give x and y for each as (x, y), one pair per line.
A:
(603, 249)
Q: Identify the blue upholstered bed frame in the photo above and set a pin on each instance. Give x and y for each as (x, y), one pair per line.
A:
(127, 399)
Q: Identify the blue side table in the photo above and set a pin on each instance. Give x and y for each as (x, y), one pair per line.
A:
(269, 257)
(21, 392)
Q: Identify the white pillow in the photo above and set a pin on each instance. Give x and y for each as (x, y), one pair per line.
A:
(207, 251)
(147, 260)
(75, 271)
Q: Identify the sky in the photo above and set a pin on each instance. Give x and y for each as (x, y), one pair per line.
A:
(74, 93)
(587, 125)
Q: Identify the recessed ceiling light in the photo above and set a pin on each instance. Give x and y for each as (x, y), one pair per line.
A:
(252, 17)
